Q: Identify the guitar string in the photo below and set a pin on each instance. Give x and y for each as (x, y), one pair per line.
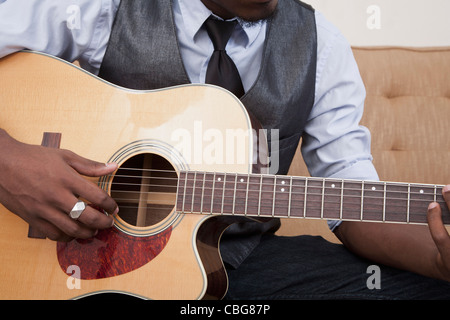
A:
(294, 204)
(278, 191)
(281, 178)
(367, 185)
(269, 176)
(312, 204)
(322, 190)
(298, 212)
(188, 197)
(260, 202)
(278, 194)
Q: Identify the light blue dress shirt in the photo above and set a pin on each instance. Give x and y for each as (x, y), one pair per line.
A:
(334, 144)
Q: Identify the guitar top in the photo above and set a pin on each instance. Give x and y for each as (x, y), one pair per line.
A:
(151, 252)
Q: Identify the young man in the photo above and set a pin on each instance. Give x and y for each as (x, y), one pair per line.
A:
(298, 76)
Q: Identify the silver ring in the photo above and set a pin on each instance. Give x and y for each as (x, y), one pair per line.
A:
(77, 210)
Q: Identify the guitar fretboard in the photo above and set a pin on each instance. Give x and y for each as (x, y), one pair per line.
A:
(261, 195)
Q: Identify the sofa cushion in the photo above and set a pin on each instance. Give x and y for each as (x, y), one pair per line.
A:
(407, 110)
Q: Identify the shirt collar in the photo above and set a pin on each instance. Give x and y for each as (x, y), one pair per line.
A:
(195, 13)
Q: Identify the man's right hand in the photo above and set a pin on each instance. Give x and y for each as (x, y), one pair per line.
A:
(41, 185)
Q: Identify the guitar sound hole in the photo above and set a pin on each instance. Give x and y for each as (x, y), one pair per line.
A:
(144, 187)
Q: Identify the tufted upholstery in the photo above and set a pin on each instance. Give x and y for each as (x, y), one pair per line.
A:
(407, 110)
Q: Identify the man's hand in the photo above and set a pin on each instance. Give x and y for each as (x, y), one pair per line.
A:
(440, 234)
(421, 249)
(41, 185)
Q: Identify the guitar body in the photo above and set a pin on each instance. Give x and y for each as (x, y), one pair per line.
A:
(173, 257)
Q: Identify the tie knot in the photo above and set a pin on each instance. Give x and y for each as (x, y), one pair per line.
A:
(219, 31)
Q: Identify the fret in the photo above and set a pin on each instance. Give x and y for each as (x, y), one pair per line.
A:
(290, 197)
(234, 195)
(241, 194)
(305, 197)
(362, 201)
(196, 197)
(323, 199)
(373, 201)
(444, 207)
(187, 185)
(342, 201)
(384, 202)
(420, 197)
(332, 199)
(229, 194)
(274, 194)
(184, 193)
(180, 190)
(298, 197)
(187, 190)
(254, 185)
(260, 192)
(193, 191)
(314, 195)
(351, 206)
(216, 193)
(208, 190)
(246, 195)
(396, 202)
(212, 193)
(203, 193)
(281, 196)
(223, 192)
(409, 202)
(267, 195)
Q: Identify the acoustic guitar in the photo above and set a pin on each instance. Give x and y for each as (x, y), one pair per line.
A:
(188, 161)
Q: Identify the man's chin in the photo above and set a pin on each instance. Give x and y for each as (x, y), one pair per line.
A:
(261, 10)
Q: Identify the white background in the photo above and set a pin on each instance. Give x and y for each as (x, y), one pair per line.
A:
(417, 23)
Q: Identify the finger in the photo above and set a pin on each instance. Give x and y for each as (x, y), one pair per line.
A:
(73, 228)
(437, 229)
(95, 195)
(94, 219)
(68, 226)
(88, 190)
(446, 194)
(89, 167)
(50, 231)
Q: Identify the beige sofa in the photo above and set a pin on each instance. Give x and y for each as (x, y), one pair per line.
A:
(407, 110)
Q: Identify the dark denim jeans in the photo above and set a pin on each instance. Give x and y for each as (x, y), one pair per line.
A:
(309, 267)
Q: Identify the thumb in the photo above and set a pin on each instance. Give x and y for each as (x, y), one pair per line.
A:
(437, 229)
(89, 167)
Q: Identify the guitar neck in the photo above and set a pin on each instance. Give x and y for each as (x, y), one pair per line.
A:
(262, 195)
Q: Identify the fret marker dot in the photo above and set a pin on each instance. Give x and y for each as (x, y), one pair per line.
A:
(333, 185)
(219, 179)
(242, 180)
(421, 191)
(373, 188)
(283, 182)
(282, 189)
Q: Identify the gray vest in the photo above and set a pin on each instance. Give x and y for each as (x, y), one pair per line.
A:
(143, 54)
